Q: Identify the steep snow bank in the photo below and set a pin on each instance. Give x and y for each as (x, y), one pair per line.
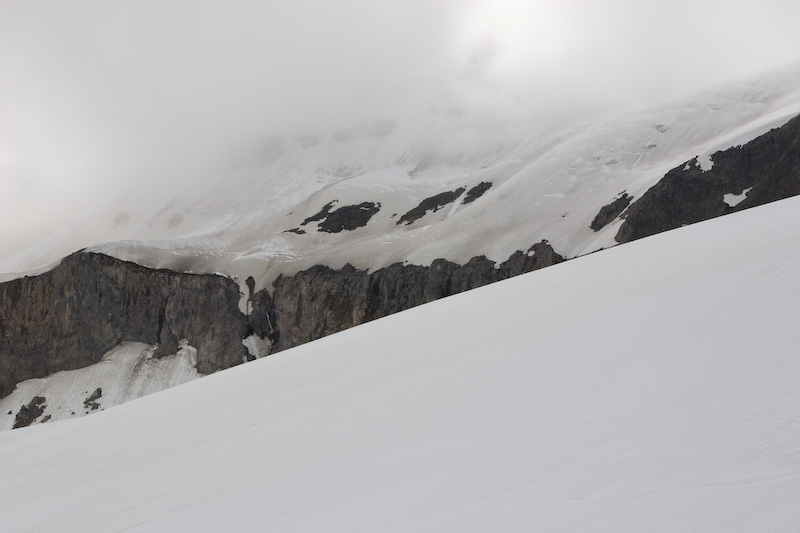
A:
(651, 386)
(127, 372)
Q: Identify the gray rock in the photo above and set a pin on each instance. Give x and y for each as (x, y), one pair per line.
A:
(320, 301)
(321, 214)
(769, 164)
(29, 413)
(477, 191)
(434, 203)
(69, 317)
(611, 211)
(349, 217)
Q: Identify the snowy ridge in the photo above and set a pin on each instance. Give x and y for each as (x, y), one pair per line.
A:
(548, 183)
(650, 386)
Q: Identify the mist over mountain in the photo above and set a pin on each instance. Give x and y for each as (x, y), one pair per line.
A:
(144, 100)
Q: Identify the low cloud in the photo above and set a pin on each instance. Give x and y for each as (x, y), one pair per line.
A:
(100, 98)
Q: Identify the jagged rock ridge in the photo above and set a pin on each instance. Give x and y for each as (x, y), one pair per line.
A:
(477, 191)
(69, 317)
(769, 166)
(321, 301)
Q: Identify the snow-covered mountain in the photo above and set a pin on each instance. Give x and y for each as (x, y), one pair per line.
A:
(547, 182)
(652, 386)
(315, 234)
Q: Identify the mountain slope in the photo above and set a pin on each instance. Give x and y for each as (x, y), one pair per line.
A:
(480, 191)
(548, 182)
(650, 386)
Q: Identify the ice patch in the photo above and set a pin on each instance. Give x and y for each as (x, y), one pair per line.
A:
(735, 199)
(257, 346)
(704, 162)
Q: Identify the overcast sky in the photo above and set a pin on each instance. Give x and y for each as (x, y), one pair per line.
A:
(98, 95)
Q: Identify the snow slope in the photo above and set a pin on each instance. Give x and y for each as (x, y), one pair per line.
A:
(125, 373)
(652, 386)
(549, 181)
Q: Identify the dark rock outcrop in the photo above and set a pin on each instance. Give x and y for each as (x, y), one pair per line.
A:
(91, 402)
(319, 215)
(349, 217)
(477, 191)
(261, 320)
(69, 317)
(29, 413)
(320, 301)
(610, 211)
(769, 166)
(346, 218)
(434, 203)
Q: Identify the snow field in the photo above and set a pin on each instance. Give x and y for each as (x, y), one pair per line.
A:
(126, 372)
(652, 386)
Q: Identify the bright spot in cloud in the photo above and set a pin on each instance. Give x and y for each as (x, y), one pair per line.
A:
(511, 39)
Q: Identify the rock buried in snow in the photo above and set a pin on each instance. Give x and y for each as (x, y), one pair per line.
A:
(321, 214)
(28, 413)
(91, 401)
(349, 217)
(433, 203)
(346, 218)
(477, 191)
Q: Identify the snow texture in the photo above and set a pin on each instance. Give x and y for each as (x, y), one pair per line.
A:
(735, 199)
(705, 162)
(652, 386)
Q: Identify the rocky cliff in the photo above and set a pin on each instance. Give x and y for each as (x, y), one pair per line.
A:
(320, 301)
(69, 317)
(762, 171)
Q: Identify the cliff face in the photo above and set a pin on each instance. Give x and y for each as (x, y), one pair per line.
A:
(320, 301)
(764, 170)
(69, 317)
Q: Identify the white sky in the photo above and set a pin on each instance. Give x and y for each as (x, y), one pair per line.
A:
(97, 97)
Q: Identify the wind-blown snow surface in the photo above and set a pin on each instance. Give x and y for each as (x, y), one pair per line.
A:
(549, 182)
(652, 386)
(127, 372)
